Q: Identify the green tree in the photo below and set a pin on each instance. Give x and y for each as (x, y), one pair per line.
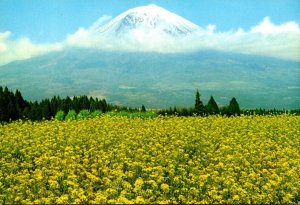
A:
(234, 108)
(83, 114)
(199, 107)
(35, 111)
(46, 109)
(96, 113)
(143, 108)
(66, 104)
(84, 102)
(60, 115)
(26, 113)
(12, 111)
(104, 106)
(20, 103)
(2, 105)
(71, 115)
(93, 104)
(212, 107)
(54, 105)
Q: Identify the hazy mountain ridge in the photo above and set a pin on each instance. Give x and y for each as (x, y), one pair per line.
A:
(157, 80)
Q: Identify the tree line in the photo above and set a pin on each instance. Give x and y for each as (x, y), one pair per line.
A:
(211, 108)
(13, 107)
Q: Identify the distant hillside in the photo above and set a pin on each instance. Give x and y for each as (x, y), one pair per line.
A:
(157, 80)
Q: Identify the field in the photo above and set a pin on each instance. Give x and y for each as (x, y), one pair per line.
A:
(113, 159)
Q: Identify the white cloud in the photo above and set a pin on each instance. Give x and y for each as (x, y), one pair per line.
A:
(280, 41)
(23, 48)
(3, 37)
(265, 38)
(211, 28)
(267, 27)
(86, 37)
(81, 37)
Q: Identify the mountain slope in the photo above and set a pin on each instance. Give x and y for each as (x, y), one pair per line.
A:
(158, 80)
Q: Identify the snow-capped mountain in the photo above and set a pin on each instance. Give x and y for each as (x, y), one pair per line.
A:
(151, 19)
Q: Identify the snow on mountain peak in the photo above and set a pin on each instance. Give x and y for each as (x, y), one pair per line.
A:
(148, 19)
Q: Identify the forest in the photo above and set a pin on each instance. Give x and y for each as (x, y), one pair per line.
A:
(13, 107)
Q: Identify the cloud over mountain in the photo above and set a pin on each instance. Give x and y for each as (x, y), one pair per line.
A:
(23, 48)
(152, 28)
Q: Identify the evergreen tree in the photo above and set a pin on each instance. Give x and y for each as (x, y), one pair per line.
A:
(13, 106)
(45, 108)
(212, 107)
(170, 112)
(2, 104)
(66, 104)
(143, 108)
(19, 100)
(104, 106)
(54, 104)
(26, 112)
(12, 113)
(234, 108)
(75, 104)
(35, 112)
(184, 112)
(84, 102)
(175, 110)
(8, 106)
(92, 103)
(21, 104)
(199, 107)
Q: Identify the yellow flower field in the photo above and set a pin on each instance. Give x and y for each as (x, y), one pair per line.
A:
(248, 159)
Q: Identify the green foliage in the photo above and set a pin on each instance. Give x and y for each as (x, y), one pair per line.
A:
(96, 113)
(71, 115)
(45, 109)
(143, 114)
(14, 107)
(133, 114)
(234, 108)
(199, 107)
(143, 109)
(212, 107)
(60, 115)
(83, 114)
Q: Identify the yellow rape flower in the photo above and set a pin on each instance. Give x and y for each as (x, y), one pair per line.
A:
(165, 188)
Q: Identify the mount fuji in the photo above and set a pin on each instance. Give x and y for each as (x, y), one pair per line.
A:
(127, 76)
(146, 28)
(148, 19)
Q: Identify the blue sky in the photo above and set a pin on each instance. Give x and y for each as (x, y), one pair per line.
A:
(46, 21)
